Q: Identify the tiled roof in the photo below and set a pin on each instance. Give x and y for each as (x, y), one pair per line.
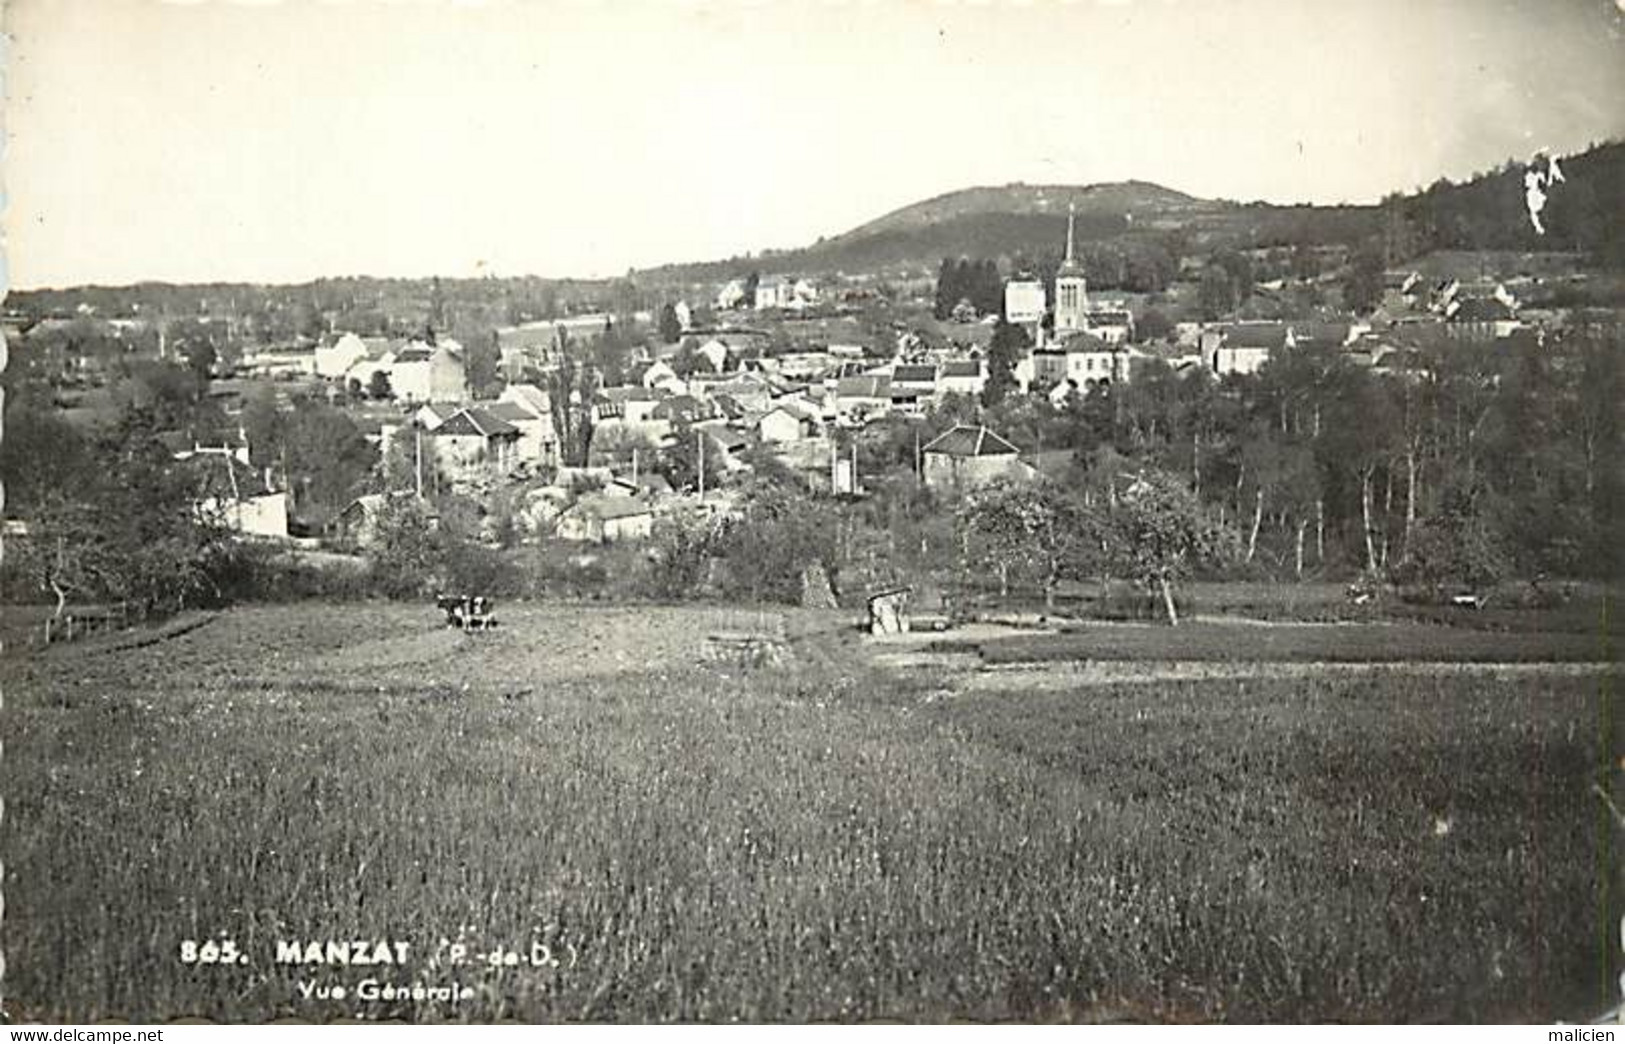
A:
(476, 420)
(1481, 310)
(962, 368)
(1256, 335)
(913, 374)
(966, 440)
(610, 506)
(512, 412)
(1085, 342)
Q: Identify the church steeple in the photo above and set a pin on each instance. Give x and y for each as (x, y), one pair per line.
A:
(1071, 291)
(1070, 262)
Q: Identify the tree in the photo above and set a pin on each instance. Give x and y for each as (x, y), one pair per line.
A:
(1009, 342)
(405, 556)
(671, 329)
(689, 452)
(483, 358)
(1154, 325)
(132, 530)
(948, 291)
(324, 457)
(1362, 284)
(570, 389)
(1035, 527)
(1162, 532)
(41, 453)
(1216, 293)
(612, 356)
(378, 385)
(200, 358)
(1458, 546)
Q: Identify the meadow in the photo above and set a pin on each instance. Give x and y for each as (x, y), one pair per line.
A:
(821, 841)
(1292, 643)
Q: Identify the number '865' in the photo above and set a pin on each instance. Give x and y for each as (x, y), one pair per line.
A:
(211, 952)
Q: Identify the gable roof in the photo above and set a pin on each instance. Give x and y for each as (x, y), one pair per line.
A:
(1083, 342)
(970, 440)
(512, 412)
(864, 387)
(1320, 333)
(433, 414)
(971, 368)
(610, 506)
(476, 420)
(1256, 335)
(914, 374)
(683, 408)
(1481, 310)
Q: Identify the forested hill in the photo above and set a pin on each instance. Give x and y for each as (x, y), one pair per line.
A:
(1019, 220)
(1585, 212)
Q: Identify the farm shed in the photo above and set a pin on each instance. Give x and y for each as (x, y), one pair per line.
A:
(968, 455)
(606, 518)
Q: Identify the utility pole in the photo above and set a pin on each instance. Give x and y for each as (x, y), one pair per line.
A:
(417, 438)
(634, 465)
(699, 442)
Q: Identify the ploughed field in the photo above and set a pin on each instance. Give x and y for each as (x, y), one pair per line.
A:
(638, 834)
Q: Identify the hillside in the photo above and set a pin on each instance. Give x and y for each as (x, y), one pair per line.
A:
(1586, 214)
(1017, 220)
(1114, 202)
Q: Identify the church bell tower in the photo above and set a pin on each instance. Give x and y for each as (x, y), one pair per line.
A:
(1070, 293)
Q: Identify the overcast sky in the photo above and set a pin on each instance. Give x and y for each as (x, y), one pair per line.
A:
(280, 142)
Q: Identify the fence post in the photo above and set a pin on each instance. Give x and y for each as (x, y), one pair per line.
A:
(48, 620)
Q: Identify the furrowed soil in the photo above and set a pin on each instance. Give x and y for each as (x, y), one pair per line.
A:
(685, 838)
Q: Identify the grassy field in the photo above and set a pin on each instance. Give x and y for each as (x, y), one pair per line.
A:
(814, 842)
(1291, 643)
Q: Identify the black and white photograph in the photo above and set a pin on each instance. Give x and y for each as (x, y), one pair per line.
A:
(813, 512)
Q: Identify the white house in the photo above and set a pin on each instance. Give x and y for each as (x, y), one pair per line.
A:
(784, 292)
(1246, 347)
(271, 362)
(789, 421)
(362, 370)
(732, 295)
(475, 440)
(259, 515)
(334, 360)
(606, 518)
(661, 377)
(538, 442)
(962, 377)
(429, 373)
(715, 352)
